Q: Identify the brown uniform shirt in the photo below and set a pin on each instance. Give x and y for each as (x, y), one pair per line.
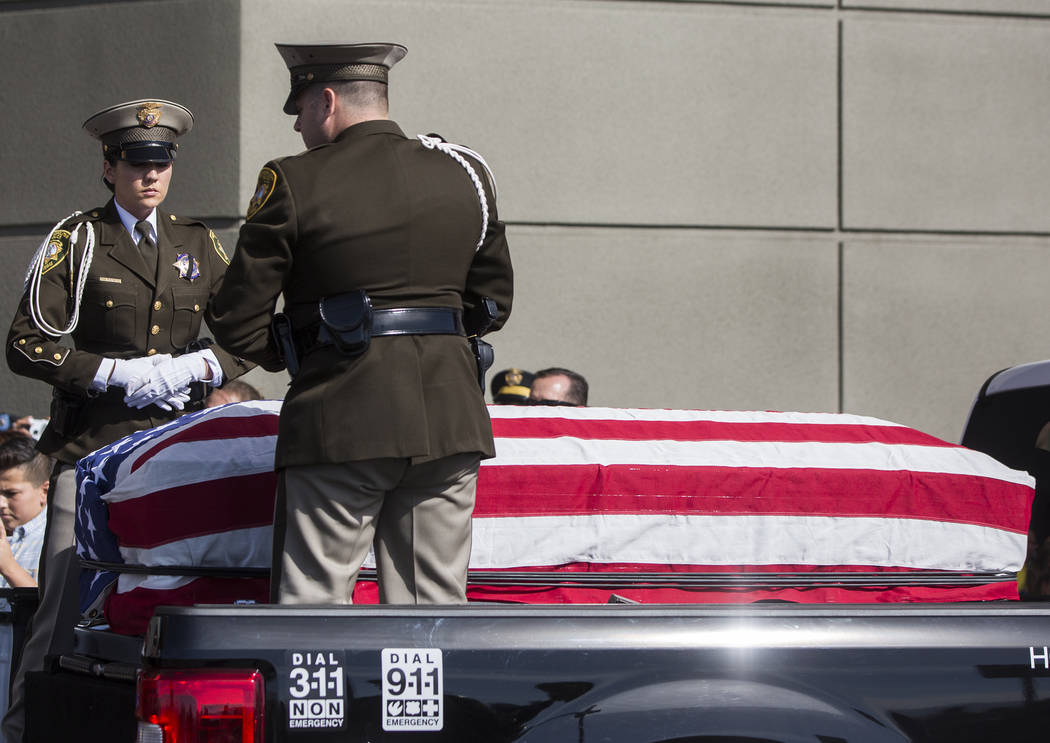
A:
(125, 312)
(372, 210)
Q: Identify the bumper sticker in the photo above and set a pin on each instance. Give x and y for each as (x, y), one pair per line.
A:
(315, 689)
(413, 686)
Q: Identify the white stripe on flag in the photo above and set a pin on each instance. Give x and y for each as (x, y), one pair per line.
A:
(128, 582)
(720, 416)
(179, 427)
(744, 540)
(569, 450)
(193, 462)
(238, 548)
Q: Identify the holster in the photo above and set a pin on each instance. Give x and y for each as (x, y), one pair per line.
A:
(281, 327)
(484, 355)
(481, 316)
(477, 321)
(346, 322)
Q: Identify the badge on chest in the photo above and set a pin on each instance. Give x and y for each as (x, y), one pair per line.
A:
(188, 266)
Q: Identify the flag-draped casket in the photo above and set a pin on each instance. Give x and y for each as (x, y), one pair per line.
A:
(589, 504)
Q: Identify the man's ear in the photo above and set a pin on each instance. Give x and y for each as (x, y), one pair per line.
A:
(107, 172)
(329, 101)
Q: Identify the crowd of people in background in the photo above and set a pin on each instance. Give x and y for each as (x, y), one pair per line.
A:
(552, 386)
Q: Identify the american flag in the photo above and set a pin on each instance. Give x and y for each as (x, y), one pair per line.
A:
(196, 492)
(585, 504)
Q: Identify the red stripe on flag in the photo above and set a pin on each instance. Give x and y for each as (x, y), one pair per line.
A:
(541, 428)
(821, 595)
(647, 567)
(215, 429)
(365, 592)
(557, 490)
(129, 613)
(194, 510)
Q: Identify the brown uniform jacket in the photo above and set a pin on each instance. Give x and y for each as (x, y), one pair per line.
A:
(372, 210)
(125, 312)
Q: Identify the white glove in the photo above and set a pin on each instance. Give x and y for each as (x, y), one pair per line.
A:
(169, 381)
(127, 373)
(177, 401)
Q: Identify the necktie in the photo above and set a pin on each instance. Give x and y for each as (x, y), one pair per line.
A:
(147, 246)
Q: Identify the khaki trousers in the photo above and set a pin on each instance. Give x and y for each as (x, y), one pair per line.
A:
(50, 631)
(418, 516)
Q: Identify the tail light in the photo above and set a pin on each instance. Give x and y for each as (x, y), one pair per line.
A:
(198, 705)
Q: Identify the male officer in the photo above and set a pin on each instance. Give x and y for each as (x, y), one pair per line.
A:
(557, 386)
(384, 247)
(511, 387)
(130, 284)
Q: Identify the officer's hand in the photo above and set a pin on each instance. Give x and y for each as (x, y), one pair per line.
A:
(175, 402)
(168, 379)
(131, 373)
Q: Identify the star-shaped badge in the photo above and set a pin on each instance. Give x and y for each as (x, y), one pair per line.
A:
(188, 266)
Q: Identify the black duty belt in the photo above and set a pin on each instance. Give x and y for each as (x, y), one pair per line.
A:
(417, 321)
(394, 321)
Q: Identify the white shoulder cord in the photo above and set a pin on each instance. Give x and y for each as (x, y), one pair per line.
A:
(36, 273)
(453, 150)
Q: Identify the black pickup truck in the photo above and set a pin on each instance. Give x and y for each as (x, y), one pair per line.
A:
(759, 672)
(765, 667)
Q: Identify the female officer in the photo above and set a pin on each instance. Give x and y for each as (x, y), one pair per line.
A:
(129, 284)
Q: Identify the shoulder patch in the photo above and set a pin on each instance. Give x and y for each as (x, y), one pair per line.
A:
(218, 247)
(56, 251)
(263, 190)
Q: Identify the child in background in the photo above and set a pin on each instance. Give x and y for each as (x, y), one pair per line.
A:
(23, 510)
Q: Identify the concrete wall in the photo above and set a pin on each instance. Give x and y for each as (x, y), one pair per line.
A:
(812, 206)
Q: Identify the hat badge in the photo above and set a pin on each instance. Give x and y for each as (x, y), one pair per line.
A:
(149, 114)
(514, 377)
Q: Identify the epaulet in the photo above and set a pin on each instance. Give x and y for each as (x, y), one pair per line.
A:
(438, 139)
(308, 150)
(92, 216)
(184, 221)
